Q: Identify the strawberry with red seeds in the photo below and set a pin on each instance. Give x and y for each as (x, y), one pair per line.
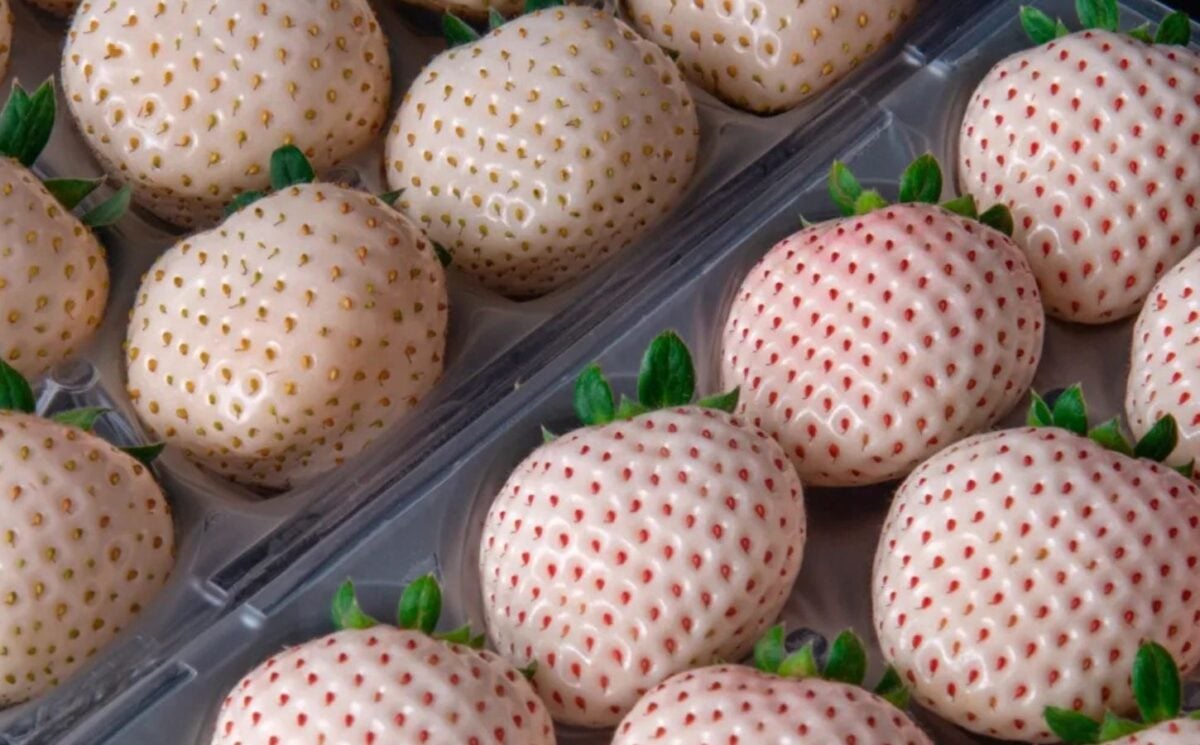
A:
(866, 344)
(1023, 568)
(787, 699)
(1090, 139)
(368, 683)
(662, 536)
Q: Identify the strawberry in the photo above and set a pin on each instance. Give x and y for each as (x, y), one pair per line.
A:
(866, 344)
(1090, 140)
(53, 275)
(552, 142)
(385, 685)
(1162, 373)
(660, 537)
(788, 700)
(771, 56)
(187, 101)
(282, 342)
(86, 541)
(1021, 569)
(1158, 692)
(62, 8)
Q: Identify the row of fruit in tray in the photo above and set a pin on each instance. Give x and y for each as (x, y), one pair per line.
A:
(1028, 581)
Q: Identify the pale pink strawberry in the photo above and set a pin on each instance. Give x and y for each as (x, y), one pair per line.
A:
(383, 685)
(768, 57)
(1090, 139)
(1177, 732)
(1022, 569)
(620, 554)
(866, 344)
(1164, 372)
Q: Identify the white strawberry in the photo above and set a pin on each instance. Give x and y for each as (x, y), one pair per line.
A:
(385, 685)
(1166, 356)
(1090, 140)
(281, 343)
(61, 8)
(544, 147)
(1021, 569)
(768, 57)
(187, 101)
(86, 541)
(645, 544)
(866, 344)
(53, 275)
(788, 700)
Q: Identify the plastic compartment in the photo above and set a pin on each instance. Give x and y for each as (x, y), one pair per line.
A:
(430, 519)
(230, 540)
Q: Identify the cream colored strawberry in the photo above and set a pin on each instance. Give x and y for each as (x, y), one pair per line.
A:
(544, 147)
(770, 56)
(61, 8)
(186, 101)
(86, 543)
(281, 343)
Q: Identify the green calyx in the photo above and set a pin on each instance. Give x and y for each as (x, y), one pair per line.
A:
(1105, 15)
(921, 183)
(1069, 412)
(419, 609)
(459, 32)
(845, 663)
(25, 126)
(289, 167)
(17, 395)
(667, 379)
(1156, 689)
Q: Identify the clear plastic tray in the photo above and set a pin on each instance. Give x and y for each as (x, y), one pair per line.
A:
(255, 576)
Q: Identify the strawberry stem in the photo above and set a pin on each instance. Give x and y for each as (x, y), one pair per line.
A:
(420, 605)
(1105, 15)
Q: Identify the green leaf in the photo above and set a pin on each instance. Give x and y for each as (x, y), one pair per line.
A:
(770, 651)
(1156, 686)
(922, 181)
(534, 5)
(420, 605)
(1145, 33)
(998, 217)
(1099, 14)
(346, 612)
(628, 409)
(667, 376)
(110, 211)
(15, 391)
(964, 205)
(1158, 444)
(145, 454)
(290, 166)
(1187, 470)
(868, 202)
(844, 188)
(726, 402)
(593, 397)
(547, 435)
(892, 689)
(461, 635)
(529, 670)
(1110, 437)
(243, 200)
(799, 664)
(1114, 727)
(391, 197)
(1175, 29)
(457, 31)
(1061, 29)
(1040, 27)
(26, 123)
(71, 191)
(84, 419)
(847, 661)
(1070, 411)
(442, 254)
(496, 19)
(1071, 726)
(1039, 412)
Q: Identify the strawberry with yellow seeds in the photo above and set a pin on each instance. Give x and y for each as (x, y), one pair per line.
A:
(86, 541)
(771, 56)
(387, 685)
(277, 345)
(53, 274)
(535, 152)
(186, 101)
(662, 536)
